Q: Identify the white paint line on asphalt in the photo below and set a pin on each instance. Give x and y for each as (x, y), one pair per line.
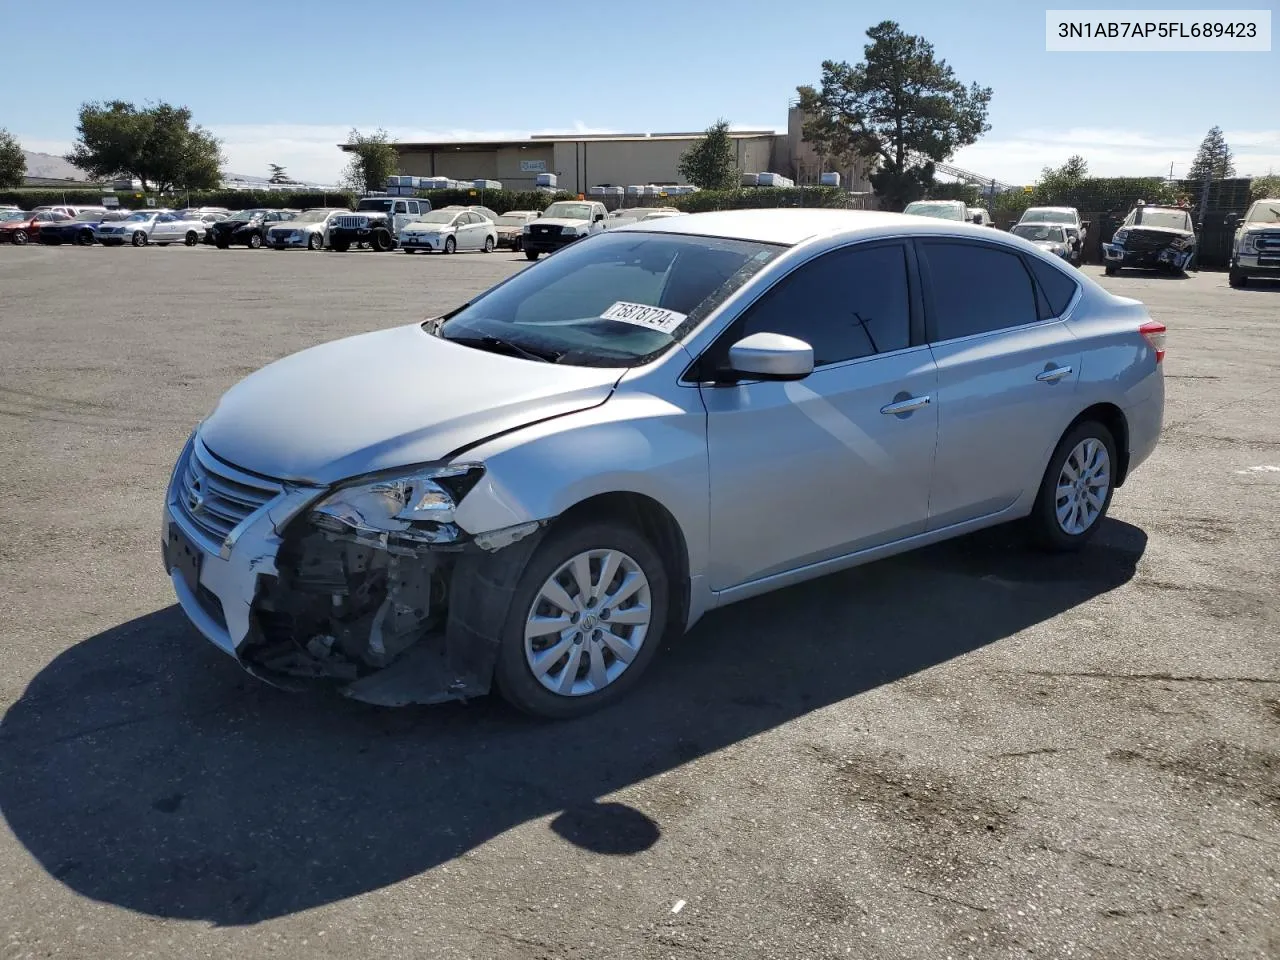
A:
(678, 907)
(1263, 468)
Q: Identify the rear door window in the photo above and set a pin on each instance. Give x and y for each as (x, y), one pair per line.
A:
(975, 289)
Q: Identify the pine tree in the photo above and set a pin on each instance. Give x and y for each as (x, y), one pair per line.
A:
(1213, 159)
(710, 163)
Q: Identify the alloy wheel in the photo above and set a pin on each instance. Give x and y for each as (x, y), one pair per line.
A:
(1083, 484)
(588, 622)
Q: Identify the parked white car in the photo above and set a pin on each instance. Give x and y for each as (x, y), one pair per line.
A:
(161, 227)
(308, 230)
(446, 231)
(1068, 218)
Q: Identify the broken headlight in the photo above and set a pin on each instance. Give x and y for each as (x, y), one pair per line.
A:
(417, 506)
(1120, 237)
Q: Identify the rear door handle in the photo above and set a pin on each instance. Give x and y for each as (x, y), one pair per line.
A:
(905, 406)
(1051, 376)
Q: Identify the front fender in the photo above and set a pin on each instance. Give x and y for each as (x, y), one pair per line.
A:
(633, 443)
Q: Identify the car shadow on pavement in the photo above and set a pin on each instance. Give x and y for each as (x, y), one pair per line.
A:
(142, 769)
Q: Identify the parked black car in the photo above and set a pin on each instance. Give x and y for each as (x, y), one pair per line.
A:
(248, 227)
(83, 229)
(1152, 238)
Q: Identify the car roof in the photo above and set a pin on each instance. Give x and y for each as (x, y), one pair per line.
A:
(1060, 209)
(791, 226)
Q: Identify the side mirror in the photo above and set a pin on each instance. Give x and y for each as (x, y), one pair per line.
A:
(599, 217)
(976, 218)
(771, 356)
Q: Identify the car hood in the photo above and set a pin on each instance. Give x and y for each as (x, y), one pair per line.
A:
(1049, 244)
(384, 400)
(560, 222)
(418, 227)
(1171, 232)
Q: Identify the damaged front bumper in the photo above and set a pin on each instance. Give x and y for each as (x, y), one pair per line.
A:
(299, 603)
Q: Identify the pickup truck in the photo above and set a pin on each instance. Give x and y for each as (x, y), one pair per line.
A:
(561, 224)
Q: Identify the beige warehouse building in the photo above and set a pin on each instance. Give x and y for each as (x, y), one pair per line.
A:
(582, 161)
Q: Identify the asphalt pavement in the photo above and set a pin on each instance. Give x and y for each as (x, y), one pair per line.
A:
(970, 751)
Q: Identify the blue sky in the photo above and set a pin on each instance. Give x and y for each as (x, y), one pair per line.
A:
(269, 77)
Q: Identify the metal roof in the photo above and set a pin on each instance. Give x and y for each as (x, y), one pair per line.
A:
(541, 139)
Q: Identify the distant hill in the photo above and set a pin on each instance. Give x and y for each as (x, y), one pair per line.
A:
(48, 167)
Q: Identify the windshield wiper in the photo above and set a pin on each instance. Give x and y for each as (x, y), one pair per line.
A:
(499, 345)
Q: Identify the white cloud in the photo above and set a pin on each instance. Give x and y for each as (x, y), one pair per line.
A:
(1019, 158)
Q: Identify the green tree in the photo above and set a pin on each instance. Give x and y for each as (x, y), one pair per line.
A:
(278, 174)
(900, 109)
(374, 158)
(13, 162)
(711, 163)
(156, 144)
(1213, 159)
(1059, 185)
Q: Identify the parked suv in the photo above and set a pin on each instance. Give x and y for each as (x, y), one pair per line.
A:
(248, 227)
(376, 221)
(532, 490)
(1255, 249)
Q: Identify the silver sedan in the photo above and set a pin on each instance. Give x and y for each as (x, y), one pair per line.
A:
(533, 490)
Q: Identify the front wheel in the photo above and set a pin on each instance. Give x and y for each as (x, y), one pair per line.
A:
(315, 241)
(585, 620)
(1236, 279)
(85, 238)
(489, 244)
(20, 237)
(517, 244)
(450, 244)
(139, 239)
(1075, 492)
(255, 241)
(531, 254)
(1110, 271)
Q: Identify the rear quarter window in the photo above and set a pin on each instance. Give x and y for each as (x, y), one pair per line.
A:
(1057, 287)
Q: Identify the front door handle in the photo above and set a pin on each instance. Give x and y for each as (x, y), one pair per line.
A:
(1054, 375)
(905, 406)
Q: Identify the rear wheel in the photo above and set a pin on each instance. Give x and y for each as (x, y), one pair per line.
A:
(1075, 492)
(192, 238)
(585, 619)
(20, 237)
(139, 239)
(1236, 278)
(531, 254)
(222, 244)
(381, 241)
(489, 244)
(255, 241)
(450, 244)
(517, 244)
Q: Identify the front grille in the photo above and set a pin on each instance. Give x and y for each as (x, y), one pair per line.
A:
(353, 223)
(1268, 241)
(1145, 240)
(544, 230)
(214, 498)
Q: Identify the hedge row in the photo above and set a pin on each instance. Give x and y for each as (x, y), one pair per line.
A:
(752, 197)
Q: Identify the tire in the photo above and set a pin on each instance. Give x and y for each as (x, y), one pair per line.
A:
(192, 238)
(1236, 279)
(1111, 271)
(1091, 444)
(222, 244)
(531, 254)
(315, 242)
(85, 238)
(516, 245)
(408, 250)
(20, 238)
(255, 241)
(381, 242)
(513, 672)
(163, 243)
(139, 239)
(489, 244)
(450, 244)
(339, 246)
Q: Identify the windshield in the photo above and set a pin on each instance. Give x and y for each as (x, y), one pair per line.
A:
(511, 220)
(1048, 216)
(438, 216)
(244, 215)
(89, 216)
(925, 208)
(138, 217)
(1155, 217)
(559, 309)
(1039, 231)
(375, 203)
(311, 216)
(1264, 211)
(570, 211)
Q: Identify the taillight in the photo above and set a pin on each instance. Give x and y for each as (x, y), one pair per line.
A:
(1154, 333)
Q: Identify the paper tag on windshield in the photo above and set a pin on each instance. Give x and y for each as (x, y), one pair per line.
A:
(655, 318)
